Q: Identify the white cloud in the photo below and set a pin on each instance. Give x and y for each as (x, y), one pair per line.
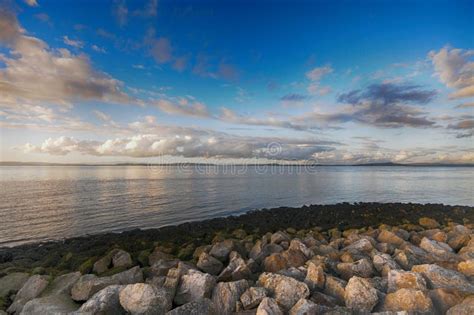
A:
(318, 73)
(35, 73)
(31, 3)
(182, 106)
(72, 43)
(98, 49)
(455, 69)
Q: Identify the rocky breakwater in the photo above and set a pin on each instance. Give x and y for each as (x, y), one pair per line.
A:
(424, 268)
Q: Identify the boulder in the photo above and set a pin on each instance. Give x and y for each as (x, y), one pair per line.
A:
(102, 265)
(335, 287)
(274, 262)
(294, 258)
(298, 245)
(130, 276)
(360, 295)
(252, 297)
(162, 266)
(157, 255)
(295, 273)
(409, 300)
(209, 264)
(237, 269)
(384, 263)
(51, 304)
(467, 267)
(444, 299)
(221, 250)
(106, 301)
(306, 307)
(361, 268)
(440, 250)
(285, 290)
(323, 299)
(399, 279)
(465, 308)
(122, 259)
(194, 285)
(88, 285)
(362, 245)
(62, 284)
(200, 307)
(260, 251)
(30, 290)
(385, 248)
(269, 306)
(226, 294)
(315, 277)
(438, 277)
(12, 282)
(428, 223)
(143, 298)
(386, 236)
(279, 237)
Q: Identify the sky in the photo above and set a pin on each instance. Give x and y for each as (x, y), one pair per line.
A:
(330, 82)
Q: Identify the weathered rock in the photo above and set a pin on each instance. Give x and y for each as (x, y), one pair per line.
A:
(200, 307)
(106, 301)
(162, 266)
(315, 277)
(130, 276)
(157, 255)
(12, 282)
(444, 299)
(260, 251)
(62, 284)
(237, 269)
(221, 250)
(465, 308)
(408, 300)
(362, 245)
(323, 299)
(30, 290)
(274, 262)
(294, 258)
(295, 273)
(252, 297)
(286, 291)
(385, 248)
(467, 267)
(398, 279)
(440, 250)
(226, 294)
(122, 259)
(438, 277)
(383, 263)
(88, 285)
(386, 236)
(209, 264)
(102, 265)
(269, 306)
(194, 285)
(298, 245)
(199, 250)
(51, 304)
(428, 223)
(279, 237)
(335, 287)
(360, 295)
(306, 307)
(458, 240)
(361, 268)
(143, 298)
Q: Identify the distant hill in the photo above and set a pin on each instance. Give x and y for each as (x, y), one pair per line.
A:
(14, 163)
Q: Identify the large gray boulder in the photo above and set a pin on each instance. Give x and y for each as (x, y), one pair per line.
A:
(30, 290)
(209, 264)
(88, 285)
(143, 298)
(226, 294)
(51, 304)
(194, 285)
(360, 295)
(106, 301)
(62, 284)
(306, 307)
(285, 290)
(122, 259)
(399, 279)
(252, 297)
(269, 306)
(12, 282)
(439, 277)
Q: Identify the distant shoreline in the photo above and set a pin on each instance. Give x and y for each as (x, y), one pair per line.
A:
(13, 163)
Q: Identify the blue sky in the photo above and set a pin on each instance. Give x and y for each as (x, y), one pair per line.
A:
(326, 81)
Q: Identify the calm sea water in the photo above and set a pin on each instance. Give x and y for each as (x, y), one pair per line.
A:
(53, 202)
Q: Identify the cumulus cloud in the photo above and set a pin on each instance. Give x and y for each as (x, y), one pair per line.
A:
(73, 43)
(455, 69)
(33, 72)
(388, 105)
(182, 106)
(188, 145)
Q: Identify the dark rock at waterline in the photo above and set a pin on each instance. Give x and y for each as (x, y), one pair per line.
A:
(344, 216)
